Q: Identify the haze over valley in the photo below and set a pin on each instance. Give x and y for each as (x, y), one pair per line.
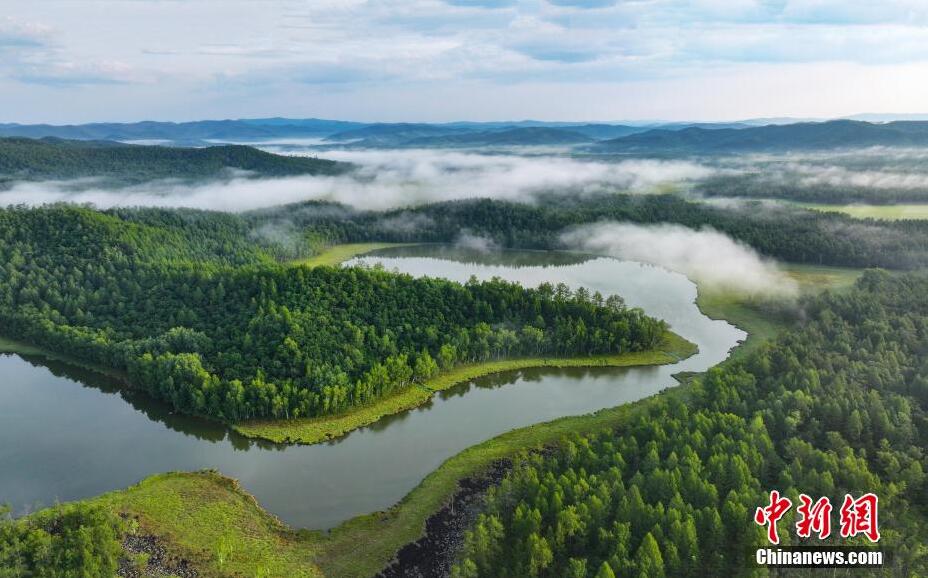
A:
(463, 288)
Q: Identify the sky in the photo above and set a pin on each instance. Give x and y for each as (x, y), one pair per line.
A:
(78, 61)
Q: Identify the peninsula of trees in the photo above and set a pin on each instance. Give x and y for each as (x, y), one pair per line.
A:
(198, 311)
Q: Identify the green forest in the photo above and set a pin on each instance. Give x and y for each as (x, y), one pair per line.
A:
(760, 186)
(197, 313)
(789, 234)
(70, 541)
(123, 164)
(836, 406)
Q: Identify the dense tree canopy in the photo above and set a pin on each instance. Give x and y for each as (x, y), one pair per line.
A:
(51, 158)
(791, 234)
(763, 186)
(200, 313)
(72, 541)
(837, 406)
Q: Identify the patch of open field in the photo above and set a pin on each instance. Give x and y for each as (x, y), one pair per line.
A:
(336, 254)
(764, 319)
(884, 212)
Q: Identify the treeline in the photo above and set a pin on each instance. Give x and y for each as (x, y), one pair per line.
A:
(758, 186)
(201, 316)
(795, 235)
(121, 164)
(837, 406)
(71, 541)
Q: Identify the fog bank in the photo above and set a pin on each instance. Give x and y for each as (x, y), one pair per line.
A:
(382, 180)
(710, 258)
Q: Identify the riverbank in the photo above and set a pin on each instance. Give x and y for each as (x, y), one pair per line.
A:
(207, 519)
(197, 513)
(336, 254)
(763, 320)
(316, 430)
(15, 347)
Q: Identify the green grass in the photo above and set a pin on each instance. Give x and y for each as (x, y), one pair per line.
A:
(315, 430)
(764, 319)
(884, 212)
(198, 513)
(195, 512)
(336, 254)
(12, 346)
(201, 514)
(816, 278)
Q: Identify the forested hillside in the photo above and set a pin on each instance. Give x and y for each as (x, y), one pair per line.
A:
(789, 234)
(761, 186)
(198, 313)
(837, 406)
(55, 159)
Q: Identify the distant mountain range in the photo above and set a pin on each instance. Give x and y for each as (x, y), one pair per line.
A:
(56, 159)
(835, 134)
(665, 138)
(185, 132)
(343, 133)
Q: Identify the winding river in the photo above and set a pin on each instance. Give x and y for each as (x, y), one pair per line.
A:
(69, 434)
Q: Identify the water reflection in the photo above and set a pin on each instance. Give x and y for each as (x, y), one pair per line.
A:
(64, 442)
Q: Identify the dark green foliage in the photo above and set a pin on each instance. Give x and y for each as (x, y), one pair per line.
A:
(116, 163)
(72, 541)
(761, 186)
(794, 235)
(836, 406)
(202, 316)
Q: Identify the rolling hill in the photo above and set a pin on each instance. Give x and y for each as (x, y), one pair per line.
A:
(527, 136)
(56, 159)
(190, 132)
(772, 138)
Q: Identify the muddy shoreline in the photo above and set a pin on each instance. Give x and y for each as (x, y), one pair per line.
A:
(432, 555)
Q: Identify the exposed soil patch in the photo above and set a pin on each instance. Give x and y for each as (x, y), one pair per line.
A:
(433, 555)
(160, 563)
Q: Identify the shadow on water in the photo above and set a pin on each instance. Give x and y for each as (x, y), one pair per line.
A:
(513, 259)
(62, 442)
(152, 408)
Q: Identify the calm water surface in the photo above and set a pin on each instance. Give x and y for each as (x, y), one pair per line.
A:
(67, 434)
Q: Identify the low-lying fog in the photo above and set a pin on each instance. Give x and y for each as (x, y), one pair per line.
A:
(383, 179)
(712, 259)
(389, 178)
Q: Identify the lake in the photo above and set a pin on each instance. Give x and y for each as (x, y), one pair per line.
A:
(70, 434)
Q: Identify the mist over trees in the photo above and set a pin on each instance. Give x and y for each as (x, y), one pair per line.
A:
(789, 234)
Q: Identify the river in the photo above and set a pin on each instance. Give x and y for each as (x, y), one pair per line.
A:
(69, 434)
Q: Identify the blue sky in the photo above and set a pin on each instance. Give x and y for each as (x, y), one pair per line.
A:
(435, 60)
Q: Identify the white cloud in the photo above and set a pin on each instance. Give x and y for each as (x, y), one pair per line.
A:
(712, 259)
(430, 59)
(385, 179)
